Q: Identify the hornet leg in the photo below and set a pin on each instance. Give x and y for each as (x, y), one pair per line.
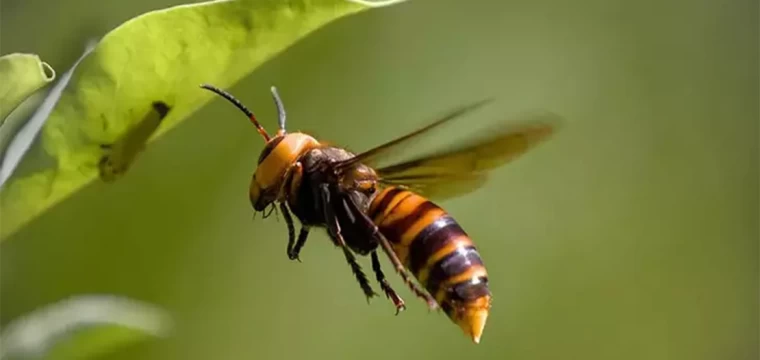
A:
(334, 230)
(389, 292)
(388, 249)
(291, 228)
(432, 304)
(296, 250)
(294, 174)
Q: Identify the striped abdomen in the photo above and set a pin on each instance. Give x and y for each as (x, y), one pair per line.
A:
(438, 252)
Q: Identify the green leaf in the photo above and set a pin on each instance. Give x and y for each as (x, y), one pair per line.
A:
(82, 327)
(20, 76)
(159, 56)
(28, 130)
(22, 88)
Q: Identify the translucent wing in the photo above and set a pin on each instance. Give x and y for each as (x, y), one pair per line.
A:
(382, 152)
(440, 187)
(461, 169)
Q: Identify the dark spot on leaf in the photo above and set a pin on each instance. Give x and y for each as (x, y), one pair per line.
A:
(247, 23)
(161, 108)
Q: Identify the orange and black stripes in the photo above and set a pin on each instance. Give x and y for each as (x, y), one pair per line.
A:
(433, 247)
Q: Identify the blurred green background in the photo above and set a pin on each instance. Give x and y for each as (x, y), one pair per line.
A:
(633, 234)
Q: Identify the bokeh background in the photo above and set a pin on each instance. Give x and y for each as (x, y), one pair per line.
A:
(632, 234)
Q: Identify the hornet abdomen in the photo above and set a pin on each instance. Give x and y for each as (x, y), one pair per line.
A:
(438, 252)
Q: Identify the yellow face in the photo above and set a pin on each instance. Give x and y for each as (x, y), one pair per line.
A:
(278, 156)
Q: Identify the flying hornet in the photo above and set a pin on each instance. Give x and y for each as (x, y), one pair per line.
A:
(365, 205)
